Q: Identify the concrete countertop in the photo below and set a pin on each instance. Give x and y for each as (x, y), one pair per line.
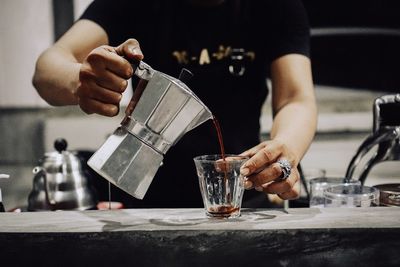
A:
(195, 219)
(185, 237)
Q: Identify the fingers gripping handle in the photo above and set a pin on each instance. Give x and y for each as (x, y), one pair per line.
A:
(141, 69)
(145, 72)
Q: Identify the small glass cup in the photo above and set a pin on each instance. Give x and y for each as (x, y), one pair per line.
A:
(318, 185)
(351, 196)
(221, 184)
(310, 173)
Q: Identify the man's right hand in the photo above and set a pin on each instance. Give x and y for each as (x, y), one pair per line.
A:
(104, 77)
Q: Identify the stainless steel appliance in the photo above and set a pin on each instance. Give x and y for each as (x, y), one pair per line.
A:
(161, 111)
(60, 183)
(385, 135)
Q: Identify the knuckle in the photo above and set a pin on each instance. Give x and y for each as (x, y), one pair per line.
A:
(85, 74)
(81, 92)
(283, 145)
(276, 170)
(270, 190)
(109, 111)
(114, 86)
(123, 85)
(257, 180)
(132, 48)
(289, 195)
(267, 154)
(296, 176)
(86, 94)
(252, 165)
(116, 98)
(294, 195)
(278, 145)
(282, 196)
(84, 107)
(102, 48)
(132, 41)
(95, 56)
(128, 71)
(282, 187)
(92, 58)
(286, 186)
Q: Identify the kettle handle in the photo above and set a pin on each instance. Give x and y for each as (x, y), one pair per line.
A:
(49, 196)
(135, 97)
(142, 69)
(144, 72)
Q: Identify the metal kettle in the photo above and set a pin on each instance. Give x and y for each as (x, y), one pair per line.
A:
(161, 111)
(385, 135)
(59, 182)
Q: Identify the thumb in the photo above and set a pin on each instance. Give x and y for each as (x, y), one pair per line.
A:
(130, 49)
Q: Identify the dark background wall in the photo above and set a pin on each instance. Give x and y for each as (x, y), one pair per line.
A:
(356, 43)
(63, 14)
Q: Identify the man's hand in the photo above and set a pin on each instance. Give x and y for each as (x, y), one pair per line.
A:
(263, 172)
(104, 77)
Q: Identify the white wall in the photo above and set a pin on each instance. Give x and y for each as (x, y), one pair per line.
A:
(80, 6)
(26, 29)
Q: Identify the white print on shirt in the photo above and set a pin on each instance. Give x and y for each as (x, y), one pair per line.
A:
(183, 57)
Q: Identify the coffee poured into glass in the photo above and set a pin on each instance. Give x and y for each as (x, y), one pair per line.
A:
(221, 184)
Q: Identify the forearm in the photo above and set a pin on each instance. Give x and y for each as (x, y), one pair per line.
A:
(295, 124)
(56, 77)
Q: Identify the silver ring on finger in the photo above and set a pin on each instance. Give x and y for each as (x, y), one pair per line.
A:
(285, 167)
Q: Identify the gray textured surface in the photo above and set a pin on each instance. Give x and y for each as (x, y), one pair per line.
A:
(195, 219)
(184, 237)
(21, 136)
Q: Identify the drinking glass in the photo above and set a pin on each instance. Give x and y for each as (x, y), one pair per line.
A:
(318, 185)
(310, 173)
(221, 184)
(351, 196)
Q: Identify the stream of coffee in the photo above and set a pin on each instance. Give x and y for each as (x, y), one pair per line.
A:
(220, 139)
(223, 210)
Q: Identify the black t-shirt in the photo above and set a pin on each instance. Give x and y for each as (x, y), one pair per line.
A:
(229, 49)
